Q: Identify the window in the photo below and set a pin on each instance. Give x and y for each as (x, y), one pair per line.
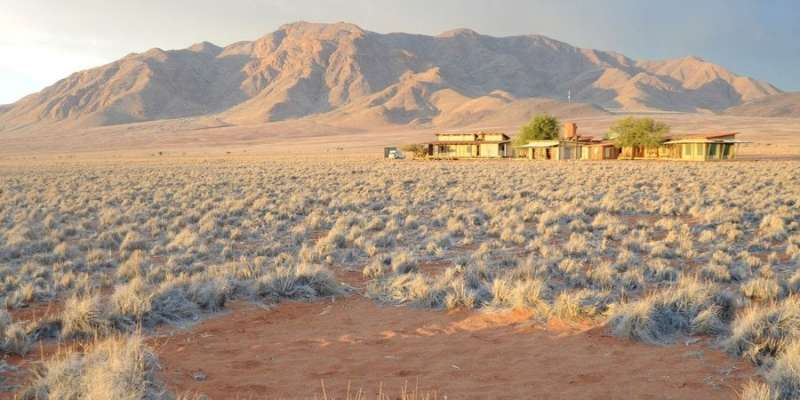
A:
(687, 150)
(698, 149)
(726, 150)
(712, 150)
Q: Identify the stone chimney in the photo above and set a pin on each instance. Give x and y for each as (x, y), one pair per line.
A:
(570, 131)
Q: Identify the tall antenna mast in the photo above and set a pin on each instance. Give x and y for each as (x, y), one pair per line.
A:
(569, 96)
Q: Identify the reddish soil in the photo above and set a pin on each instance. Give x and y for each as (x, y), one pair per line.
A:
(36, 311)
(286, 352)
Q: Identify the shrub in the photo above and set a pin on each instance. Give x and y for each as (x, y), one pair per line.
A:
(660, 249)
(303, 281)
(208, 293)
(526, 294)
(169, 303)
(665, 315)
(459, 295)
(762, 332)
(139, 304)
(577, 245)
(756, 391)
(762, 289)
(185, 239)
(605, 276)
(413, 288)
(403, 263)
(132, 300)
(13, 336)
(707, 236)
(115, 368)
(133, 241)
(86, 316)
(581, 305)
(773, 227)
(715, 273)
(377, 267)
(134, 266)
(417, 150)
(793, 252)
(783, 378)
(659, 271)
(794, 282)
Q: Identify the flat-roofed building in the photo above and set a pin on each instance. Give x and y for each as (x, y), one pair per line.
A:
(470, 145)
(688, 147)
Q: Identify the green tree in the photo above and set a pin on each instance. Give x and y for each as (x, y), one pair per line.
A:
(633, 131)
(541, 127)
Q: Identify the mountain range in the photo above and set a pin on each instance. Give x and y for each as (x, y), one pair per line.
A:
(341, 74)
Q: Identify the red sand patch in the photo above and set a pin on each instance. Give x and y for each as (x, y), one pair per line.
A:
(36, 311)
(287, 351)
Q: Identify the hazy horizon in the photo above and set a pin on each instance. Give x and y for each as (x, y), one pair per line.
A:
(43, 42)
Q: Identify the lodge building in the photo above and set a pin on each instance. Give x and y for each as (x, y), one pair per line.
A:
(572, 146)
(470, 145)
(689, 147)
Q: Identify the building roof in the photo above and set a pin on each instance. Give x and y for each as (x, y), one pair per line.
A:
(505, 137)
(709, 135)
(603, 143)
(703, 140)
(476, 142)
(718, 134)
(540, 144)
(712, 137)
(583, 140)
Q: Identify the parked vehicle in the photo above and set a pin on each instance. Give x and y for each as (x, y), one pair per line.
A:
(392, 153)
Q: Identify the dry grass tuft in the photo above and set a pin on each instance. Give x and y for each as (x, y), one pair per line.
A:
(764, 331)
(689, 308)
(115, 368)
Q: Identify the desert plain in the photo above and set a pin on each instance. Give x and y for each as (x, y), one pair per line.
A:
(179, 259)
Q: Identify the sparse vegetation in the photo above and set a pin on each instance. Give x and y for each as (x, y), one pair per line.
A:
(417, 150)
(129, 247)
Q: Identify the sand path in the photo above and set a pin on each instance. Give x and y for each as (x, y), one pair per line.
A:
(286, 352)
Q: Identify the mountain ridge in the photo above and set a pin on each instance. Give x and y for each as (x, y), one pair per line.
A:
(343, 74)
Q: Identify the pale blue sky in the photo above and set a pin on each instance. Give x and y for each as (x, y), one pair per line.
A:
(42, 41)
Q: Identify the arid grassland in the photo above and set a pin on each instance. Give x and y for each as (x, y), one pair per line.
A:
(101, 256)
